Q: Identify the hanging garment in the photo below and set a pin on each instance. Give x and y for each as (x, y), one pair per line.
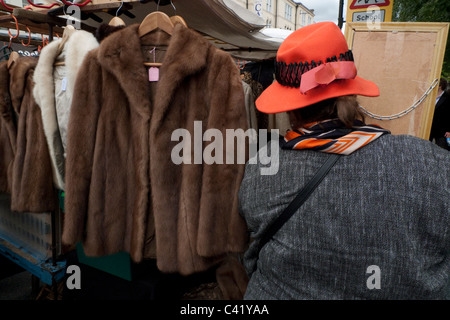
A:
(53, 92)
(8, 131)
(250, 107)
(32, 188)
(123, 191)
(105, 30)
(257, 88)
(279, 121)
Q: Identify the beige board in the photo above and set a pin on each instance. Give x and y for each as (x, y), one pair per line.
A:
(405, 61)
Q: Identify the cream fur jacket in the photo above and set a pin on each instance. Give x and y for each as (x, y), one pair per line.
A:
(53, 92)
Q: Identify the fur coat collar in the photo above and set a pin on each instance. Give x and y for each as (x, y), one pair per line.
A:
(72, 54)
(189, 211)
(186, 55)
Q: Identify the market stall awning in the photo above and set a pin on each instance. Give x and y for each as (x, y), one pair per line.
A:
(226, 24)
(223, 22)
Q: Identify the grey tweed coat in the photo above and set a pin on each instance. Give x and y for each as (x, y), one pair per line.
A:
(386, 205)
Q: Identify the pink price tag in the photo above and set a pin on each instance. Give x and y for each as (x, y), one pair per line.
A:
(153, 74)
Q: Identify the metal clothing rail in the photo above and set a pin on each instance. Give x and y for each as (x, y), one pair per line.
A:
(18, 230)
(31, 240)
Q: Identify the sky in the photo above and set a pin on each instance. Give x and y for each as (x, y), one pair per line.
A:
(324, 10)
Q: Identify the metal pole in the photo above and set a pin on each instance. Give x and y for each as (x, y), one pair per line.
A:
(53, 217)
(276, 13)
(50, 32)
(295, 20)
(341, 12)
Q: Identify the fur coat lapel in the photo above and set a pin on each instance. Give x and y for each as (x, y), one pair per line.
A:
(120, 55)
(79, 43)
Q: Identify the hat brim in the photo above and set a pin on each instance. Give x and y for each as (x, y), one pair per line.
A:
(278, 98)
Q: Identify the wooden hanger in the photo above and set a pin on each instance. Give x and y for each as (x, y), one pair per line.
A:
(12, 58)
(68, 30)
(116, 22)
(153, 21)
(178, 19)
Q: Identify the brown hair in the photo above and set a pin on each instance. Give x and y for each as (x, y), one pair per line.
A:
(345, 108)
(443, 84)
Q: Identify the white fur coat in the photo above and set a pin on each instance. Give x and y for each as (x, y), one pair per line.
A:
(53, 90)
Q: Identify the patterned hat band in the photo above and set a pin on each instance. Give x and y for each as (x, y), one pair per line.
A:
(290, 75)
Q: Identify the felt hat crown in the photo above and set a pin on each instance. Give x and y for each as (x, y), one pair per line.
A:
(313, 64)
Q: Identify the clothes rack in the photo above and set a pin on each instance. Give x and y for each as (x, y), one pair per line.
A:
(51, 23)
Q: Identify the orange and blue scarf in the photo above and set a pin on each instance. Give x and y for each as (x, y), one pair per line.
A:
(331, 136)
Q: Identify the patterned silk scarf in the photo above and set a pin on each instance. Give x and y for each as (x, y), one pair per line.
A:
(331, 136)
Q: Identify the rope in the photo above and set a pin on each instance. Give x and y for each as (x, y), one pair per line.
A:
(404, 112)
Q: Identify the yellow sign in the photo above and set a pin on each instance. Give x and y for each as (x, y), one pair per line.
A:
(372, 11)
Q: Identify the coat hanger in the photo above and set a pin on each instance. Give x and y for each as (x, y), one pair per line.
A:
(17, 30)
(6, 6)
(116, 21)
(152, 22)
(156, 20)
(29, 38)
(68, 30)
(44, 43)
(178, 19)
(12, 59)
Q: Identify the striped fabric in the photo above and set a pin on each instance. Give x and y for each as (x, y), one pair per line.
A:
(331, 136)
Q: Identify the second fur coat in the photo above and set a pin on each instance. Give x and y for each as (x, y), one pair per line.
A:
(53, 92)
(31, 175)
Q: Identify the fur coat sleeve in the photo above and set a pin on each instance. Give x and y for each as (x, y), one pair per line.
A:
(80, 153)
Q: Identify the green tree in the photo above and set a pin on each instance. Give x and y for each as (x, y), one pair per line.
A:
(425, 11)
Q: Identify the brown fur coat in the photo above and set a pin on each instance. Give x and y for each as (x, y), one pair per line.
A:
(8, 131)
(31, 177)
(123, 192)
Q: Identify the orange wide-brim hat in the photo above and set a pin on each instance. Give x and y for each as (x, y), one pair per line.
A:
(313, 64)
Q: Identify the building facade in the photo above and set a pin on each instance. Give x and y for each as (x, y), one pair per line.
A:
(283, 14)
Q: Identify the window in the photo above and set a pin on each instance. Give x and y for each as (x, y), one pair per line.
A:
(288, 12)
(269, 5)
(309, 20)
(303, 18)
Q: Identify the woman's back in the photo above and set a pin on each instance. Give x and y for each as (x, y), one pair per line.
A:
(377, 227)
